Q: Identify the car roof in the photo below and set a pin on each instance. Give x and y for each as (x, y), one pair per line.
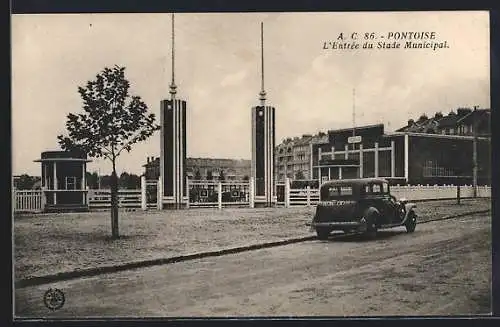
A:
(354, 181)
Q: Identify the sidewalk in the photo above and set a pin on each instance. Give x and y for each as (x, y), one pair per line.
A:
(50, 244)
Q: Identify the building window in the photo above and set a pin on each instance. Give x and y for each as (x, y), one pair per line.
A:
(353, 156)
(384, 164)
(369, 164)
(432, 169)
(70, 183)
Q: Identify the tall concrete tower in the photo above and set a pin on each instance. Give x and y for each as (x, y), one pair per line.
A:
(263, 142)
(173, 142)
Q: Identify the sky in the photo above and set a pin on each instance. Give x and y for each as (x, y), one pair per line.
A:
(218, 74)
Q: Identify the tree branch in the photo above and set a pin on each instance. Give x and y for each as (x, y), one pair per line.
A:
(129, 142)
(108, 150)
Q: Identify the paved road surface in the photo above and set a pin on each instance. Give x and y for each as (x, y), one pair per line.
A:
(443, 268)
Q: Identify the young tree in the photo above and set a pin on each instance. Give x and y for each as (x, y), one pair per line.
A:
(209, 175)
(26, 182)
(112, 121)
(124, 180)
(105, 182)
(134, 182)
(92, 180)
(197, 175)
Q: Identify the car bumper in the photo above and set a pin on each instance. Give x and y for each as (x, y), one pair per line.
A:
(339, 225)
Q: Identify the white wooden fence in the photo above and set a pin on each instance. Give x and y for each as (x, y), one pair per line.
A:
(28, 200)
(101, 199)
(34, 200)
(429, 192)
(302, 197)
(310, 197)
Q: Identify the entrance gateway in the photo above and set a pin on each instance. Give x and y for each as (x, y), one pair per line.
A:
(173, 117)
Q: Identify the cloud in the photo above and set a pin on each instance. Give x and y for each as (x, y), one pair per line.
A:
(233, 79)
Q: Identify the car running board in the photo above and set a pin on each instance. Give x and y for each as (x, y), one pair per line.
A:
(391, 225)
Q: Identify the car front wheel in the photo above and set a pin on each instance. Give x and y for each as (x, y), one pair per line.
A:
(411, 223)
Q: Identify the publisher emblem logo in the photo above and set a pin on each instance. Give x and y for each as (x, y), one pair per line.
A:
(54, 299)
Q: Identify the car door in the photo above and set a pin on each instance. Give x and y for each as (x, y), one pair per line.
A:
(392, 204)
(386, 204)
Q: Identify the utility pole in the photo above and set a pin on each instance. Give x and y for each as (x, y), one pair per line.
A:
(474, 153)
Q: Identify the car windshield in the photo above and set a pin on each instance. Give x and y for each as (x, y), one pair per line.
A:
(339, 192)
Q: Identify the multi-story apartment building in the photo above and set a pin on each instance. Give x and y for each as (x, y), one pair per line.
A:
(201, 168)
(293, 156)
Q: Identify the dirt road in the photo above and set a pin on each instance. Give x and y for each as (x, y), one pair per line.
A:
(444, 268)
(54, 243)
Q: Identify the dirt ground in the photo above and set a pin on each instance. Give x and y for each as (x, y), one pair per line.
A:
(48, 244)
(444, 268)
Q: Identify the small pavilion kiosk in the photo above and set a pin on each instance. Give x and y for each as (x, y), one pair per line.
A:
(63, 180)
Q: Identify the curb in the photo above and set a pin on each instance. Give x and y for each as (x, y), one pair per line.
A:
(455, 216)
(64, 276)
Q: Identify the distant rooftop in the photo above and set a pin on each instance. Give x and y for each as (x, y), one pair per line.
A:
(434, 124)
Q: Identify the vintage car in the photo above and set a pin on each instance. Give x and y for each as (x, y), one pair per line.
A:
(362, 205)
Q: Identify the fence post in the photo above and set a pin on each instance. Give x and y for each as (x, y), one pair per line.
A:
(44, 200)
(308, 196)
(159, 195)
(14, 198)
(287, 192)
(458, 193)
(144, 205)
(219, 195)
(251, 192)
(188, 191)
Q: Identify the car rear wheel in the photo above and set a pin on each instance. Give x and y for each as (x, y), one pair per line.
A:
(322, 233)
(411, 223)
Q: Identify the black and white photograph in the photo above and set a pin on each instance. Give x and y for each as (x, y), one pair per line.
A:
(251, 164)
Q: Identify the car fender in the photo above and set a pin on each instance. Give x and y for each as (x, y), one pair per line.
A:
(409, 207)
(370, 211)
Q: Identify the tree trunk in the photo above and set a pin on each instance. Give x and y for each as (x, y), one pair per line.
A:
(114, 204)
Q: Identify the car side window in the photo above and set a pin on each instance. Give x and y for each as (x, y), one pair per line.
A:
(385, 188)
(376, 188)
(334, 191)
